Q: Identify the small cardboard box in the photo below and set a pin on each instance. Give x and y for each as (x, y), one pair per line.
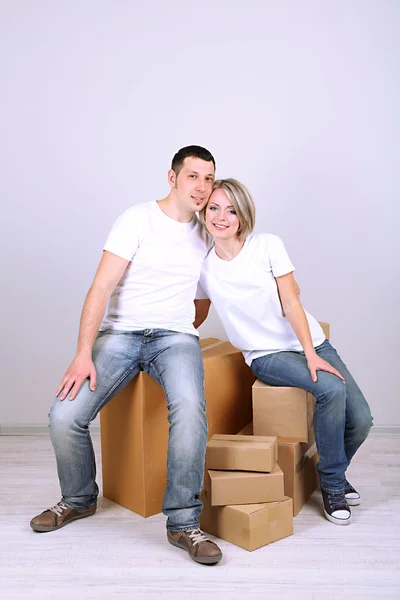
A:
(134, 426)
(298, 462)
(284, 412)
(249, 526)
(239, 453)
(242, 487)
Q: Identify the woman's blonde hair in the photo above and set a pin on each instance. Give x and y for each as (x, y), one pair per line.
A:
(242, 202)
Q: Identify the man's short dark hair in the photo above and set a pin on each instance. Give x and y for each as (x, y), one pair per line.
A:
(190, 152)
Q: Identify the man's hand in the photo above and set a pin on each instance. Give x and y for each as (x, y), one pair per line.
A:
(316, 363)
(81, 368)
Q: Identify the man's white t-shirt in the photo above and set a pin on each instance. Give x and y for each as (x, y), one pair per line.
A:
(159, 285)
(245, 295)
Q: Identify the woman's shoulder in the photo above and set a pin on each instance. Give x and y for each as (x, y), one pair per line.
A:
(264, 239)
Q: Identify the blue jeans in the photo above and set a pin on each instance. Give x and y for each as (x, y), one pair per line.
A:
(342, 418)
(175, 361)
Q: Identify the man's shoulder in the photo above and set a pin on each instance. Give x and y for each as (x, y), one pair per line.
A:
(139, 209)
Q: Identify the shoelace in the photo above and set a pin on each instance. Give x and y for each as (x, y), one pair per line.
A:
(197, 536)
(59, 508)
(338, 502)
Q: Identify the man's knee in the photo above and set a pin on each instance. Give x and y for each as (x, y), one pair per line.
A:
(65, 418)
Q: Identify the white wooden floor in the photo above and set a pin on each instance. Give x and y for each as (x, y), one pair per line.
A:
(119, 554)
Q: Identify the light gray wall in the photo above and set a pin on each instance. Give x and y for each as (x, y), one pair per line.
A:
(298, 99)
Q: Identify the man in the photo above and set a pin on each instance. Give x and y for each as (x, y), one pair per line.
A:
(148, 277)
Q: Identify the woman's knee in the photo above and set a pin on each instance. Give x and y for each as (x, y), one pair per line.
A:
(330, 389)
(364, 423)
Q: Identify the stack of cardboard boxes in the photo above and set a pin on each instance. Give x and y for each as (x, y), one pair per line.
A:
(244, 500)
(283, 418)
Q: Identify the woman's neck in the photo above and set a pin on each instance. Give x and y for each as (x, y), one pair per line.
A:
(228, 249)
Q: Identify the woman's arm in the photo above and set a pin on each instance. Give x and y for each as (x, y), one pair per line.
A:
(202, 308)
(296, 316)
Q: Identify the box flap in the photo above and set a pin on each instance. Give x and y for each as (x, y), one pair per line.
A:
(219, 439)
(250, 509)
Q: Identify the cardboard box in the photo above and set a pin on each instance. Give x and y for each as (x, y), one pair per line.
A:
(249, 526)
(242, 487)
(239, 453)
(134, 426)
(298, 462)
(284, 412)
(326, 328)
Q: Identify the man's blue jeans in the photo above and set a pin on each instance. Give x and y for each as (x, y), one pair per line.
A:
(342, 418)
(175, 361)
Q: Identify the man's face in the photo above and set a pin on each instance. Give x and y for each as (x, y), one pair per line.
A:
(193, 185)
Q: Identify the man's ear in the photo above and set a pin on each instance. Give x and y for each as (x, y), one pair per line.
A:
(171, 178)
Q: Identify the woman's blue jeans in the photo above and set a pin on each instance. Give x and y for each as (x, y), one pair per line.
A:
(342, 418)
(175, 361)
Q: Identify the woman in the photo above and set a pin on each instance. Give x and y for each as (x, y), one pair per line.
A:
(249, 278)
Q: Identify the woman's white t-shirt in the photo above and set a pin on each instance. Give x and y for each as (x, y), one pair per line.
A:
(159, 285)
(245, 295)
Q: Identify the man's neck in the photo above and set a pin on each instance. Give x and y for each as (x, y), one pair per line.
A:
(170, 207)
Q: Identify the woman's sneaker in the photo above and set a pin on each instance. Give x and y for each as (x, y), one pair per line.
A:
(352, 496)
(336, 508)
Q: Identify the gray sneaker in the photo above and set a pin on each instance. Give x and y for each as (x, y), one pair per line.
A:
(197, 545)
(58, 516)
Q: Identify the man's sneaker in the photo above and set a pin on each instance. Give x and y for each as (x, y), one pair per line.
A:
(58, 516)
(197, 545)
(352, 496)
(336, 508)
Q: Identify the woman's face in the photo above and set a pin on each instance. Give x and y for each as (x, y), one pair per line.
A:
(220, 216)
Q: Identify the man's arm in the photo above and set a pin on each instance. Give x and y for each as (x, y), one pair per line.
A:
(109, 272)
(202, 308)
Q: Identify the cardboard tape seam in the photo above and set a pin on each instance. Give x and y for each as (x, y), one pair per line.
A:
(213, 345)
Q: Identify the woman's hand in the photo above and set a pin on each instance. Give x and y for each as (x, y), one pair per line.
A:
(316, 363)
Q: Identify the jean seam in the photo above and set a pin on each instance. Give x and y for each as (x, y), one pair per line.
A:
(151, 365)
(186, 528)
(332, 491)
(288, 383)
(114, 387)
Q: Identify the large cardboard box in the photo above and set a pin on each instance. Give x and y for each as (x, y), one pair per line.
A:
(298, 462)
(241, 487)
(284, 412)
(134, 426)
(239, 453)
(249, 526)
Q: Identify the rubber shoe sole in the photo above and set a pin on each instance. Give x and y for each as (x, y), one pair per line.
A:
(337, 521)
(207, 560)
(353, 501)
